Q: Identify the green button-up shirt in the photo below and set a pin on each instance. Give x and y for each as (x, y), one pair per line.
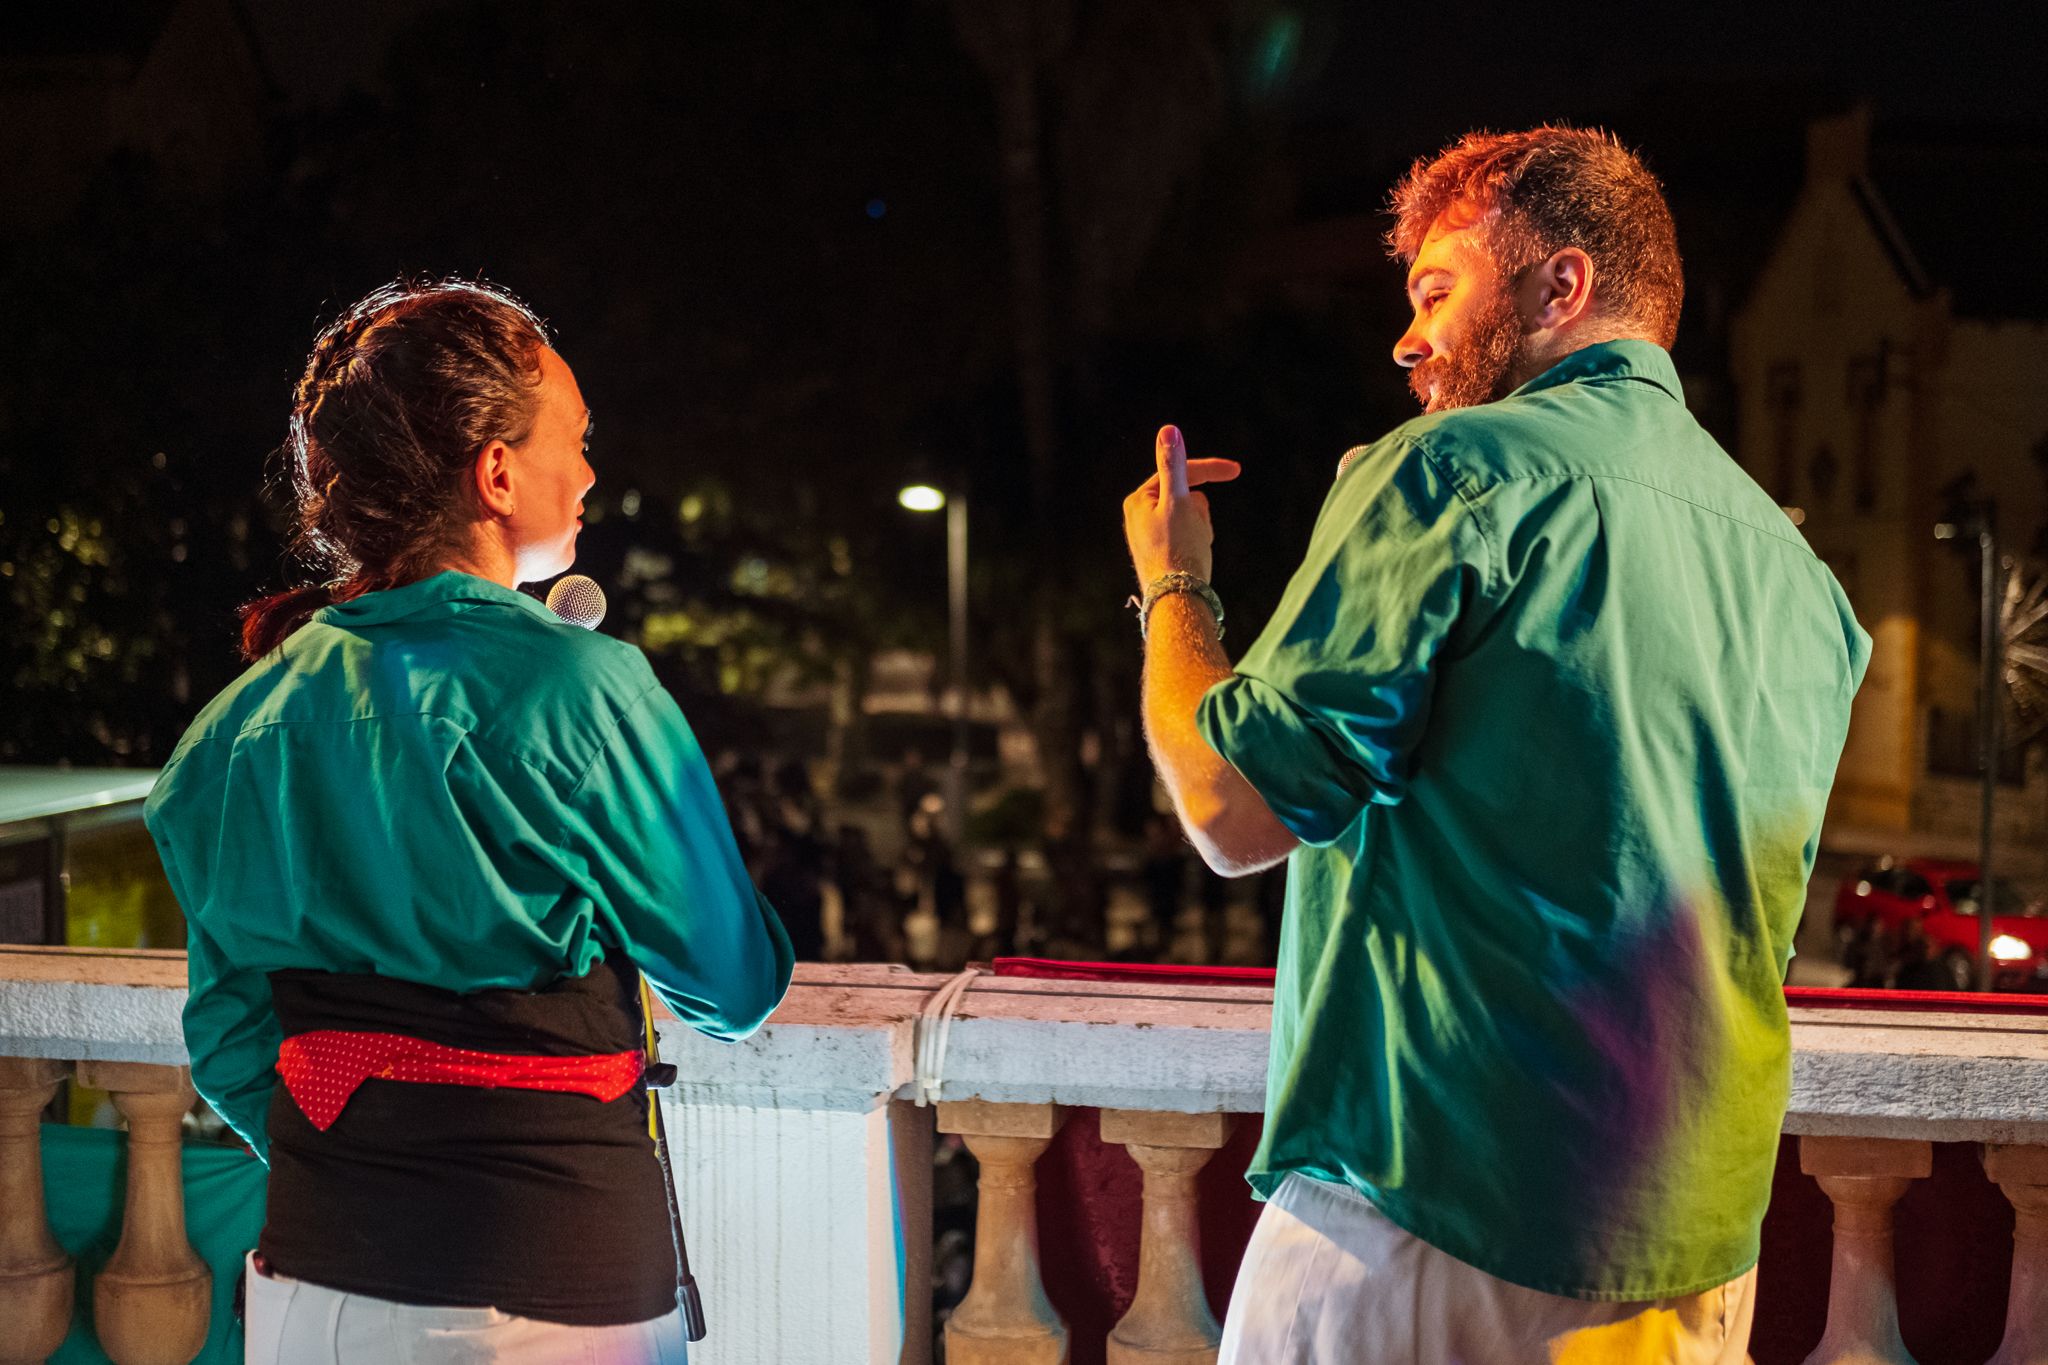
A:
(1553, 706)
(445, 784)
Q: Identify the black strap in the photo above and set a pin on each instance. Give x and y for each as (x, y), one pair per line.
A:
(660, 1076)
(686, 1283)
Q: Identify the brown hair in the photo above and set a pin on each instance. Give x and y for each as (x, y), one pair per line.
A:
(1550, 188)
(400, 393)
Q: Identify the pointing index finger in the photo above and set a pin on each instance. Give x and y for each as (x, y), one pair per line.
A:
(1173, 462)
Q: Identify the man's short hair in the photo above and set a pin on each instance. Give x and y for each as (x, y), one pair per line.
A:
(1549, 188)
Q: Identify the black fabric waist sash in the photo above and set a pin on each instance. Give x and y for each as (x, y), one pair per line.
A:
(539, 1204)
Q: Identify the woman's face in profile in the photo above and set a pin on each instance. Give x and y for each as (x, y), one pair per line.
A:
(550, 476)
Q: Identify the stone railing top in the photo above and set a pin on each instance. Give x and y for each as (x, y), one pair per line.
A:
(846, 1037)
(92, 1004)
(1919, 1074)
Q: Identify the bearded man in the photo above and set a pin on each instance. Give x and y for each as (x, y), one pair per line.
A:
(1544, 726)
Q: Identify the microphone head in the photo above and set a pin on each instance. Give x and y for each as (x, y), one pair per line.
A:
(1350, 458)
(577, 600)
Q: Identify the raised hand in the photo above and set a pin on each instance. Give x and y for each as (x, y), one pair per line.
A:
(1166, 523)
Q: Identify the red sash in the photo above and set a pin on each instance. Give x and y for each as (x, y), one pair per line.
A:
(322, 1069)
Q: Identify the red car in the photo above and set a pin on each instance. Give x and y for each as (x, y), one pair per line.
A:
(1913, 923)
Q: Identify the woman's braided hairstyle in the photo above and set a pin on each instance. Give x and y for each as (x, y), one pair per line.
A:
(399, 395)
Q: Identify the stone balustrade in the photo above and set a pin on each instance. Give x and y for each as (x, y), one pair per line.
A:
(109, 1019)
(36, 1277)
(804, 1162)
(833, 1076)
(151, 1300)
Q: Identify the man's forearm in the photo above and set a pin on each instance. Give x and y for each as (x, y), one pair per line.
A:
(1225, 818)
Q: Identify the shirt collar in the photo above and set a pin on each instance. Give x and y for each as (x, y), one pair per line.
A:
(1627, 359)
(440, 595)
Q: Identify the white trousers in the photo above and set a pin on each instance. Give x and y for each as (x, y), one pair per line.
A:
(1328, 1278)
(292, 1322)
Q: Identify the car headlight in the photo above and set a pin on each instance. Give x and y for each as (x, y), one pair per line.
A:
(2006, 948)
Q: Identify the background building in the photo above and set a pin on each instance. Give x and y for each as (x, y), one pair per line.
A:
(1892, 358)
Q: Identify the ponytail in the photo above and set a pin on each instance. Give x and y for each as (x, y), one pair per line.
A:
(268, 620)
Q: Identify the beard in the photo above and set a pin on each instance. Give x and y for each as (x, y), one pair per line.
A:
(1481, 368)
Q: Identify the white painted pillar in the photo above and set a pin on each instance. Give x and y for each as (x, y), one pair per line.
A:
(805, 1186)
(809, 1229)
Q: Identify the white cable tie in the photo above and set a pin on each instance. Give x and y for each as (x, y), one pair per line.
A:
(934, 1026)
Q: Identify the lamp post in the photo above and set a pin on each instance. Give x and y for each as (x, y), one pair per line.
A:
(1981, 524)
(919, 497)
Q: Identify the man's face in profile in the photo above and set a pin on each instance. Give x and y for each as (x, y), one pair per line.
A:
(1464, 343)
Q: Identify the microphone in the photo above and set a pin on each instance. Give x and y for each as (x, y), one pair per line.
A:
(577, 600)
(1350, 458)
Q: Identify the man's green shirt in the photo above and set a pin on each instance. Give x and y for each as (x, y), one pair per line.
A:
(446, 784)
(1553, 706)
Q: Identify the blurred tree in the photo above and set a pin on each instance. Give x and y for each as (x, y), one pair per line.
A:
(125, 539)
(749, 225)
(1104, 115)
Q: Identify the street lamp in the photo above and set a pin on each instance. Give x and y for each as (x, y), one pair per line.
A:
(1979, 522)
(922, 497)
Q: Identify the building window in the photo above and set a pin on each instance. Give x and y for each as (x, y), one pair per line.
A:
(1952, 749)
(1866, 397)
(1781, 396)
(1829, 275)
(1821, 472)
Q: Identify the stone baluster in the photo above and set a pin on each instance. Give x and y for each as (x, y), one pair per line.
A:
(1864, 1177)
(1169, 1322)
(1006, 1318)
(35, 1274)
(2022, 1172)
(152, 1303)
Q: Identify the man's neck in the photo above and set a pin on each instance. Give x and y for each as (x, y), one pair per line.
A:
(1543, 352)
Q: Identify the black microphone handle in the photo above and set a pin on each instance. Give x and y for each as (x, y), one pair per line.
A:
(686, 1284)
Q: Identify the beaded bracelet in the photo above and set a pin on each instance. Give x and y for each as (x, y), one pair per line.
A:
(1168, 584)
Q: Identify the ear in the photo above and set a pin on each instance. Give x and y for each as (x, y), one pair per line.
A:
(493, 475)
(1559, 291)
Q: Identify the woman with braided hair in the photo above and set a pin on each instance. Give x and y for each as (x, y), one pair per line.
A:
(427, 846)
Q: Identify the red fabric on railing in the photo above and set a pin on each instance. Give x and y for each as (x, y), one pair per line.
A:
(1052, 969)
(1947, 1002)
(1810, 997)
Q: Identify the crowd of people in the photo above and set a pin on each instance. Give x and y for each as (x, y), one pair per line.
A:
(885, 882)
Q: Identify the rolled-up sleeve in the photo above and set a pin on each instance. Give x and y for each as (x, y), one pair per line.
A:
(667, 876)
(1323, 714)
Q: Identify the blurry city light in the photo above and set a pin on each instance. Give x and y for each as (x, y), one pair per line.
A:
(1798, 515)
(922, 497)
(2007, 948)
